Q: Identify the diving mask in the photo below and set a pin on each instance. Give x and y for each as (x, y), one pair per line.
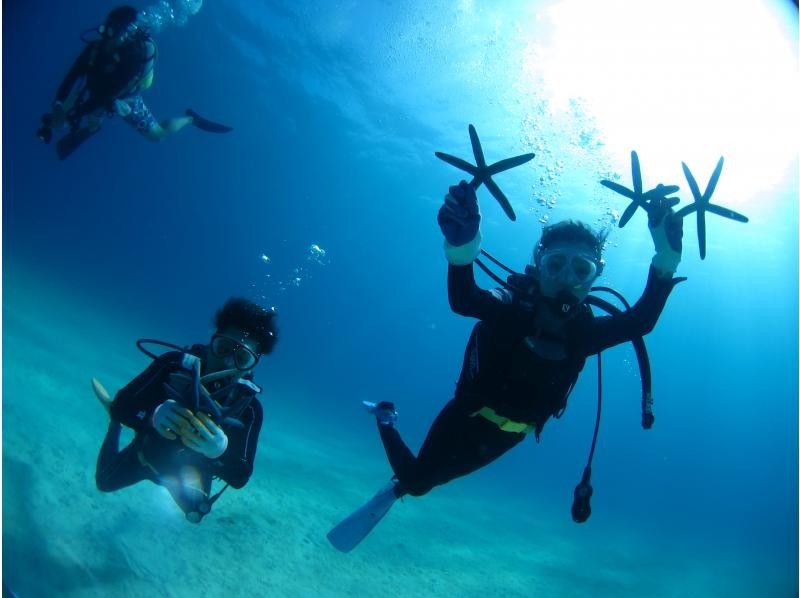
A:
(243, 357)
(570, 265)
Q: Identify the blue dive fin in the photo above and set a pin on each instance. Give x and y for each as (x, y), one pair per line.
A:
(349, 533)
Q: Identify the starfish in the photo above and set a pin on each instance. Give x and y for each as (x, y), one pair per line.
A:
(482, 174)
(196, 398)
(639, 199)
(702, 204)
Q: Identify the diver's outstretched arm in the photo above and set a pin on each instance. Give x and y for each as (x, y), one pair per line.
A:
(78, 70)
(459, 219)
(607, 331)
(468, 299)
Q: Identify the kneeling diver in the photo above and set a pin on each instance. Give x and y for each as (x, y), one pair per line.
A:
(190, 429)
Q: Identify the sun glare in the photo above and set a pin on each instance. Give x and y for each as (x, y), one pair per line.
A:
(683, 80)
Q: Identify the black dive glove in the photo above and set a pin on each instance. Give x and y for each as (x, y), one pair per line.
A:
(460, 219)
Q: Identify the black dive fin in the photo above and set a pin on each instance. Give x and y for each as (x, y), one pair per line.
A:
(207, 125)
(72, 141)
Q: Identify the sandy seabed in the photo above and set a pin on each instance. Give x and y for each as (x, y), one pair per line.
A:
(62, 537)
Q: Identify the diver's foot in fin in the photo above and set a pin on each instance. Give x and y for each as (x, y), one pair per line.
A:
(384, 412)
(72, 141)
(102, 395)
(207, 125)
(352, 530)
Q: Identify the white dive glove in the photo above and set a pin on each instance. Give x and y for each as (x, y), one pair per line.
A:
(171, 420)
(207, 438)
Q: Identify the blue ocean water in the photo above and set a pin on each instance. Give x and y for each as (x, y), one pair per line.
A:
(337, 109)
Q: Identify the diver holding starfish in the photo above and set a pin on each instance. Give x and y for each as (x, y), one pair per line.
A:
(531, 341)
(190, 429)
(701, 204)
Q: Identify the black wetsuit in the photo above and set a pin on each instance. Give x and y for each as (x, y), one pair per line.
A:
(152, 457)
(502, 371)
(107, 74)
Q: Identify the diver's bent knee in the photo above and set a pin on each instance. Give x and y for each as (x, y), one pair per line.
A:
(154, 137)
(155, 134)
(103, 484)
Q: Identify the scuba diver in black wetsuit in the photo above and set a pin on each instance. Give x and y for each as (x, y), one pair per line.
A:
(524, 355)
(190, 428)
(533, 336)
(107, 79)
(526, 351)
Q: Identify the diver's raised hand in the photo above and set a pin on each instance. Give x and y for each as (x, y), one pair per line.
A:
(667, 231)
(171, 420)
(459, 217)
(207, 438)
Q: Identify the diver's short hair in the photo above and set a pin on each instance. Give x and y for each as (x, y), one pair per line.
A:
(121, 17)
(571, 231)
(258, 322)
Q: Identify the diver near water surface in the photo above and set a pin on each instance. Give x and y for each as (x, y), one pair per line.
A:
(532, 337)
(107, 79)
(194, 413)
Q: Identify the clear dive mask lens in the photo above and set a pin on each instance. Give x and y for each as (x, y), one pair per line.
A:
(559, 262)
(224, 346)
